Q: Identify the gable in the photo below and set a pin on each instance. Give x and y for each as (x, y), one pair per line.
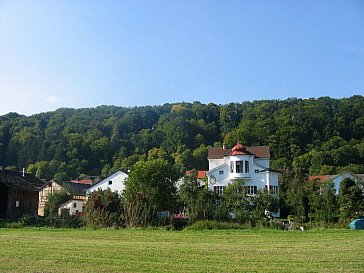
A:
(105, 182)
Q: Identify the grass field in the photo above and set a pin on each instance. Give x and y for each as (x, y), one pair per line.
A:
(58, 250)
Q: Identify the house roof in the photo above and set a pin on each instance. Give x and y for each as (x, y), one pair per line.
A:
(200, 174)
(359, 175)
(323, 178)
(239, 149)
(17, 180)
(74, 188)
(220, 152)
(83, 181)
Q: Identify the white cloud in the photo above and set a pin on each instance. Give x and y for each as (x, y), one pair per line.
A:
(52, 99)
(350, 47)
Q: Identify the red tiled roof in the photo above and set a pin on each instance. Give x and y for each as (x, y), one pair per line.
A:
(239, 149)
(320, 177)
(85, 182)
(200, 174)
(219, 152)
(327, 177)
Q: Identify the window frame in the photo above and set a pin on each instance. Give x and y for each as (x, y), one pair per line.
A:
(239, 166)
(246, 166)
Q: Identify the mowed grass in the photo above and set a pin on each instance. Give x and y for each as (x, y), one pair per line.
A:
(59, 250)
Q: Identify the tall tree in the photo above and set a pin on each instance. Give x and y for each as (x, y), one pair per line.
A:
(153, 182)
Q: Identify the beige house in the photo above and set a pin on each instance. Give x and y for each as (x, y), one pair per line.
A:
(76, 190)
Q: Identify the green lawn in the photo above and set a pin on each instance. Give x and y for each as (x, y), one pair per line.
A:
(58, 250)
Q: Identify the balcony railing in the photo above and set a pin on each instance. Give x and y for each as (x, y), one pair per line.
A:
(240, 175)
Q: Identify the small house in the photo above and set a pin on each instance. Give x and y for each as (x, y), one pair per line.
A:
(77, 193)
(338, 178)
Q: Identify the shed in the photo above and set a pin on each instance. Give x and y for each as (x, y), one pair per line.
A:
(18, 194)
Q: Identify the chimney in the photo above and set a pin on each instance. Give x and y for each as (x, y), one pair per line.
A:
(223, 146)
(23, 171)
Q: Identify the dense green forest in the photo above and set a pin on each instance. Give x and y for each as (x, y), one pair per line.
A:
(315, 136)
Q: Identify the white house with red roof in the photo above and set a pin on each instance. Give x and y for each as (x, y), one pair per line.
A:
(250, 164)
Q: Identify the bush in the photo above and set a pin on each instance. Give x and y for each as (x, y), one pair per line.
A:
(13, 225)
(179, 221)
(207, 224)
(103, 209)
(29, 220)
(69, 221)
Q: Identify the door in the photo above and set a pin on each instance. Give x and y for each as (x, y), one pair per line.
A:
(4, 190)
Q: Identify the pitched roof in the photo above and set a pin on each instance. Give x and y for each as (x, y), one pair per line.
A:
(200, 174)
(321, 177)
(17, 180)
(328, 177)
(220, 152)
(74, 188)
(83, 181)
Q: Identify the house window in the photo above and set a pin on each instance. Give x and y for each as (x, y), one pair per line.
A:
(74, 205)
(246, 166)
(239, 166)
(221, 172)
(219, 190)
(17, 204)
(231, 166)
(273, 189)
(252, 189)
(110, 182)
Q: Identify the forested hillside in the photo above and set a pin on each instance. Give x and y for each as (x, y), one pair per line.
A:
(318, 136)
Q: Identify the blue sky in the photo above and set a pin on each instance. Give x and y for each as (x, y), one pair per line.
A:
(129, 53)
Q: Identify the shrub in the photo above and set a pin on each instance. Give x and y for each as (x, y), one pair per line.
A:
(13, 225)
(29, 220)
(208, 224)
(179, 221)
(103, 209)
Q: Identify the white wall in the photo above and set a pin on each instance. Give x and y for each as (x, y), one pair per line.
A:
(74, 206)
(213, 163)
(114, 182)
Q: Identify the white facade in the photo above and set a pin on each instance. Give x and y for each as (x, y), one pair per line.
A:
(114, 182)
(240, 163)
(75, 207)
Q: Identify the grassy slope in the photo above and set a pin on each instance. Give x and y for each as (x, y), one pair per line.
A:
(56, 250)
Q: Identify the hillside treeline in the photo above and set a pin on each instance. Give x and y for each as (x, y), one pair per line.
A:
(314, 136)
